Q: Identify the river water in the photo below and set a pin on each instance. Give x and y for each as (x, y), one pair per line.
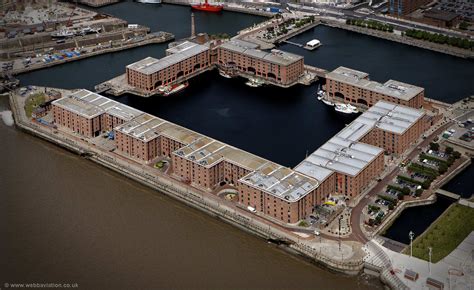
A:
(65, 219)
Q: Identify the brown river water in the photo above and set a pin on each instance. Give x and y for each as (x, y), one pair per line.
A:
(64, 219)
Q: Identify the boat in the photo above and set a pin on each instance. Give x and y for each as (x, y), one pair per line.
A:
(207, 7)
(254, 82)
(88, 30)
(343, 109)
(61, 34)
(149, 1)
(353, 108)
(321, 94)
(224, 74)
(313, 44)
(327, 102)
(172, 89)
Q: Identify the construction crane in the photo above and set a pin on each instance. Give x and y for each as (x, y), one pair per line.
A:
(69, 22)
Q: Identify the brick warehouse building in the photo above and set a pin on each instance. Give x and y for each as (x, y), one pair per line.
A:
(90, 114)
(278, 67)
(352, 86)
(181, 61)
(344, 165)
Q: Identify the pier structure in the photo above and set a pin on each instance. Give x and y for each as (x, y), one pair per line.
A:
(344, 165)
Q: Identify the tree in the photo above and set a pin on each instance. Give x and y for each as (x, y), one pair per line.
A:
(442, 168)
(426, 184)
(463, 25)
(434, 146)
(418, 192)
(406, 190)
(448, 150)
(456, 154)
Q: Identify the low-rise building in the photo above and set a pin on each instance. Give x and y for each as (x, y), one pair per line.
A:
(89, 114)
(344, 165)
(352, 86)
(187, 58)
(277, 67)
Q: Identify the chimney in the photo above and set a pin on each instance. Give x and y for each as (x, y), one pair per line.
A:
(193, 27)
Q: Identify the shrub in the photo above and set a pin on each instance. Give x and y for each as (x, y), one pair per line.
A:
(442, 168)
(456, 154)
(449, 150)
(434, 146)
(426, 184)
(418, 192)
(406, 191)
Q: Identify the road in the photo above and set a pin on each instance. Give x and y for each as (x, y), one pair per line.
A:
(399, 24)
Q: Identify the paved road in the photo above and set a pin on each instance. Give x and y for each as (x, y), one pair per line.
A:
(399, 24)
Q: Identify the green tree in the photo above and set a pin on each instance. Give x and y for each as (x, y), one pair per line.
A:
(434, 146)
(449, 150)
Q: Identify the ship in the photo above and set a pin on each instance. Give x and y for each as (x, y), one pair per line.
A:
(61, 34)
(172, 89)
(149, 1)
(207, 7)
(346, 109)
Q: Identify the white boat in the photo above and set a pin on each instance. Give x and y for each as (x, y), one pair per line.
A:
(343, 109)
(149, 1)
(224, 74)
(63, 33)
(353, 108)
(313, 44)
(254, 82)
(327, 102)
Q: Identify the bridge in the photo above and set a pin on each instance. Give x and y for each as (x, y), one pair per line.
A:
(292, 43)
(320, 72)
(448, 194)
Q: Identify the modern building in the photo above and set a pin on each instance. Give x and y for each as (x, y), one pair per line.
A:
(352, 86)
(277, 67)
(441, 18)
(404, 7)
(181, 61)
(89, 114)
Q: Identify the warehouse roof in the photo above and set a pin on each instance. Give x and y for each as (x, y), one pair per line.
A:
(151, 65)
(281, 182)
(250, 49)
(89, 104)
(391, 117)
(360, 79)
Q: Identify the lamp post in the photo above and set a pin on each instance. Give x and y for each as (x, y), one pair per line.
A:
(411, 235)
(340, 218)
(430, 249)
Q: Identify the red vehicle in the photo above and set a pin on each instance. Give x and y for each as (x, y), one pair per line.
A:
(207, 7)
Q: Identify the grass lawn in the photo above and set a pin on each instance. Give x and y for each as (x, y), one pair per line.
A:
(32, 102)
(446, 234)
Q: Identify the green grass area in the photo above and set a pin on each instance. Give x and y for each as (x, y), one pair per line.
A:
(159, 164)
(421, 169)
(445, 234)
(303, 224)
(32, 102)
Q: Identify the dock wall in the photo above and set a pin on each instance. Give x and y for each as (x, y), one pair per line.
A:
(190, 196)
